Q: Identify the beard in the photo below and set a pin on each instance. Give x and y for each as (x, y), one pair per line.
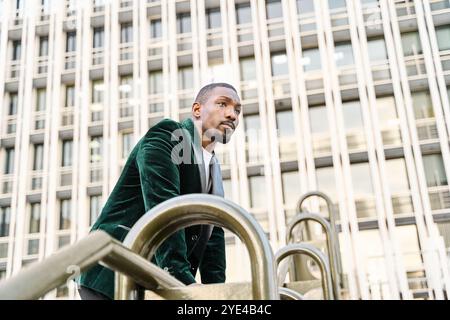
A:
(216, 135)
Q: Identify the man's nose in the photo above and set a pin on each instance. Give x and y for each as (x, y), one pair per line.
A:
(230, 114)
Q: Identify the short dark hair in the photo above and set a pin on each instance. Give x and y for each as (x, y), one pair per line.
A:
(204, 92)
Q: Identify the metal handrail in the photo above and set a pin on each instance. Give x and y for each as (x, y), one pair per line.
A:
(333, 222)
(289, 294)
(35, 281)
(177, 213)
(330, 236)
(317, 256)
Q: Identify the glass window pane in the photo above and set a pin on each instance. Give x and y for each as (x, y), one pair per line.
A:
(352, 115)
(443, 37)
(127, 144)
(156, 28)
(9, 160)
(184, 23)
(43, 46)
(13, 100)
(326, 182)
(377, 50)
(67, 153)
(95, 208)
(5, 220)
(411, 43)
(214, 18)
(71, 42)
(434, 170)
(126, 32)
(35, 218)
(291, 188)
(257, 185)
(64, 215)
(70, 96)
(318, 119)
(335, 4)
(305, 6)
(96, 148)
(274, 9)
(41, 95)
(344, 54)
(423, 106)
(155, 82)
(38, 162)
(397, 175)
(98, 37)
(247, 68)
(185, 78)
(243, 13)
(311, 59)
(361, 179)
(279, 64)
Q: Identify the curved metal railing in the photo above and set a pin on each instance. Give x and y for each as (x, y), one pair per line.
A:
(177, 213)
(333, 222)
(36, 280)
(317, 256)
(330, 236)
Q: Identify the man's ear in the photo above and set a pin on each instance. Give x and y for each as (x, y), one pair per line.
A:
(196, 110)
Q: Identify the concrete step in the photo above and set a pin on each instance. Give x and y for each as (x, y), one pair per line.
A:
(222, 291)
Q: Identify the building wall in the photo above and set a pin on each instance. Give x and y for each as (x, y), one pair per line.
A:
(347, 97)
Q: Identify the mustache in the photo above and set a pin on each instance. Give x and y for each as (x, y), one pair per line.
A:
(230, 123)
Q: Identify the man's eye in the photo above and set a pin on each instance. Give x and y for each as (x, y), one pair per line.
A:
(237, 111)
(222, 104)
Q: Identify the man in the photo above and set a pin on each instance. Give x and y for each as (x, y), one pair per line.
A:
(154, 173)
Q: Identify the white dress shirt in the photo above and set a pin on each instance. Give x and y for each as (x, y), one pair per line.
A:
(206, 160)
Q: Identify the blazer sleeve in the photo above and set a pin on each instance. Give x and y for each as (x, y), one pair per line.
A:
(160, 181)
(213, 263)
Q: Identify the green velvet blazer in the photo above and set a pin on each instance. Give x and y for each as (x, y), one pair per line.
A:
(149, 178)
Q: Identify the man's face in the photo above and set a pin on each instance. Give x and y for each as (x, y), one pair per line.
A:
(220, 114)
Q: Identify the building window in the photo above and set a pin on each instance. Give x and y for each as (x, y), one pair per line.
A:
(185, 78)
(247, 68)
(127, 144)
(258, 196)
(95, 147)
(155, 82)
(71, 41)
(279, 64)
(344, 54)
(411, 44)
(354, 126)
(5, 220)
(126, 87)
(64, 214)
(70, 96)
(16, 50)
(291, 188)
(434, 170)
(95, 206)
(326, 182)
(318, 119)
(213, 18)
(13, 101)
(398, 182)
(377, 50)
(252, 126)
(99, 34)
(35, 218)
(305, 6)
(286, 134)
(43, 46)
(423, 105)
(363, 190)
(184, 23)
(9, 160)
(243, 13)
(155, 28)
(311, 60)
(337, 4)
(38, 162)
(67, 147)
(443, 37)
(41, 95)
(274, 9)
(126, 32)
(97, 91)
